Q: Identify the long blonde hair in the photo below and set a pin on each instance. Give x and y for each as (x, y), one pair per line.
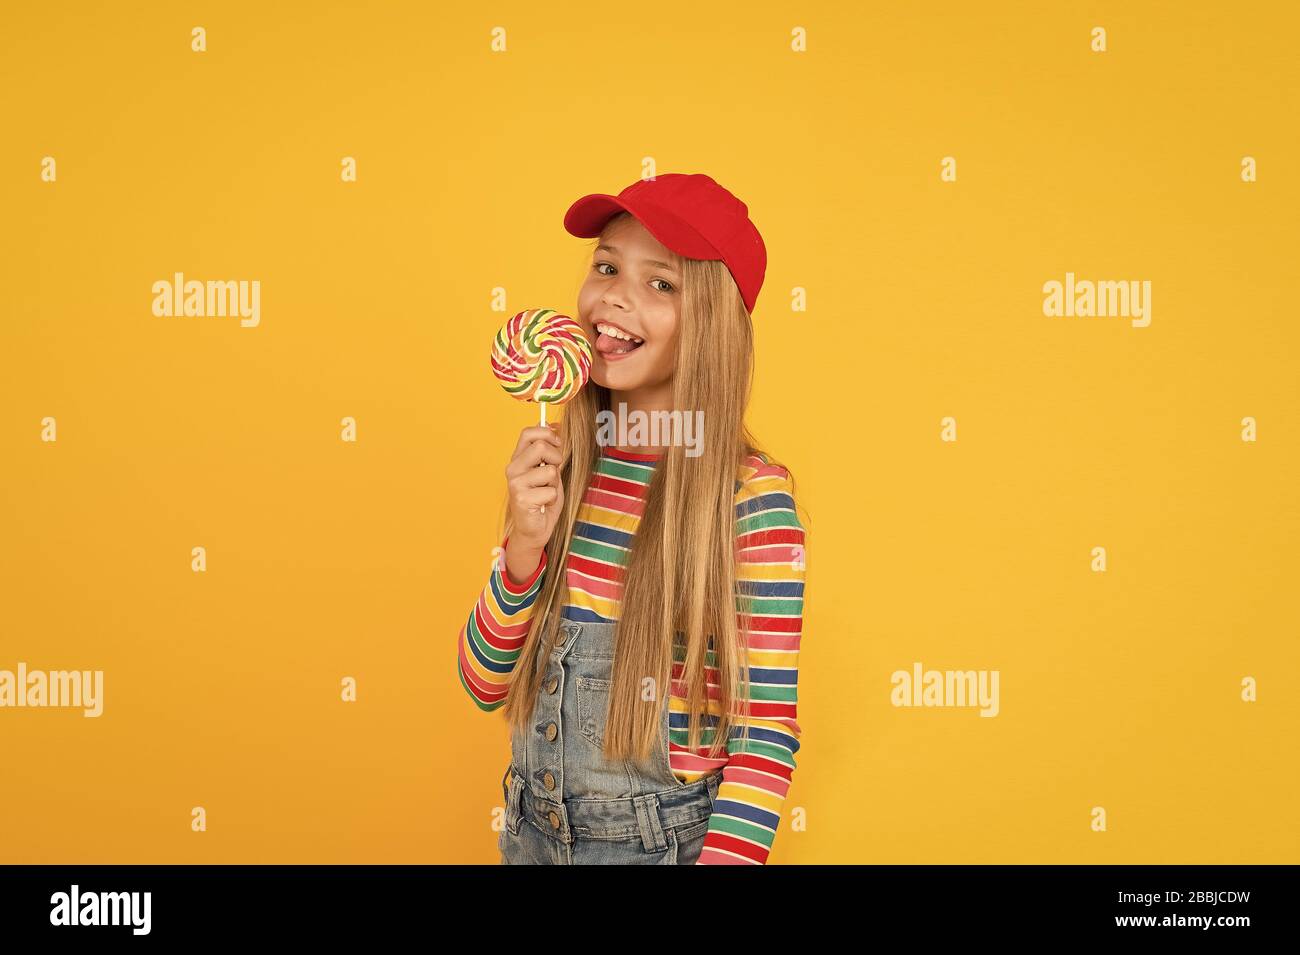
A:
(681, 571)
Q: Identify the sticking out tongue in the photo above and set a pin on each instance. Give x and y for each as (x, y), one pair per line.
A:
(609, 345)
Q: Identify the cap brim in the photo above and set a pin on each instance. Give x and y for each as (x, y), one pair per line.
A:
(587, 217)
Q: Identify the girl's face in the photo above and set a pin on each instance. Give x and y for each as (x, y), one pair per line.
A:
(631, 290)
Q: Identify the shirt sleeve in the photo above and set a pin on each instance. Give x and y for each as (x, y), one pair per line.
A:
(756, 777)
(492, 638)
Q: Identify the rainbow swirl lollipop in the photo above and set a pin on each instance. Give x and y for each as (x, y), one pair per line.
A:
(542, 356)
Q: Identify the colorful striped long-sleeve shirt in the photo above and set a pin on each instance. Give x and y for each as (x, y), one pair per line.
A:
(770, 569)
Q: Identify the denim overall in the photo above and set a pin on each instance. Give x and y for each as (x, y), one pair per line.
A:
(566, 804)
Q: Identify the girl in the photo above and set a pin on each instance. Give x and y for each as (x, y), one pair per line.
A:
(650, 688)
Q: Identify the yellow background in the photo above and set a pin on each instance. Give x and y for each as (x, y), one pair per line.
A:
(328, 559)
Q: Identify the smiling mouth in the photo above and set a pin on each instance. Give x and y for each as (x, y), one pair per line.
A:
(612, 340)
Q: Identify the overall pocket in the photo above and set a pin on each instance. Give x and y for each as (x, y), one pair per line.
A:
(514, 809)
(593, 707)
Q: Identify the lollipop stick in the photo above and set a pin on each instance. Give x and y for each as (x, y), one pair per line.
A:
(542, 405)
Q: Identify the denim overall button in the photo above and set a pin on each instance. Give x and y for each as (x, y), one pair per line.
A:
(560, 636)
(555, 819)
(552, 731)
(553, 685)
(548, 780)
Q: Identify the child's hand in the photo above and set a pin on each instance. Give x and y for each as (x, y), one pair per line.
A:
(530, 487)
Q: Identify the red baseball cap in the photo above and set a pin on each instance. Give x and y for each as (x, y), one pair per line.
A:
(690, 214)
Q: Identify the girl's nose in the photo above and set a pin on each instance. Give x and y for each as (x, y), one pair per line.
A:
(614, 298)
(615, 292)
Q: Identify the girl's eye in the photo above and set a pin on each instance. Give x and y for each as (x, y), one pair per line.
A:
(596, 267)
